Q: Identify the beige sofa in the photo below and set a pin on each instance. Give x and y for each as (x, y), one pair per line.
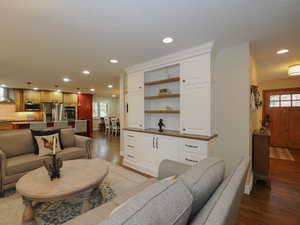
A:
(17, 158)
(200, 195)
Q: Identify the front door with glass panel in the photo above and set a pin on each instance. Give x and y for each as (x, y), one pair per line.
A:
(283, 108)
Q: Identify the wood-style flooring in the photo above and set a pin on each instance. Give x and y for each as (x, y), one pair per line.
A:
(279, 205)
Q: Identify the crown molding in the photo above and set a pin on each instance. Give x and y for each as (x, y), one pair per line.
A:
(171, 59)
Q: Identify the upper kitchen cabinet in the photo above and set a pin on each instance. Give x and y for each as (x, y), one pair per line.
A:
(19, 100)
(136, 82)
(135, 99)
(51, 96)
(32, 96)
(196, 95)
(70, 99)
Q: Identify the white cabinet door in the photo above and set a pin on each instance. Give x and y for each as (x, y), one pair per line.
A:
(135, 109)
(196, 70)
(136, 82)
(166, 148)
(149, 154)
(195, 110)
(195, 98)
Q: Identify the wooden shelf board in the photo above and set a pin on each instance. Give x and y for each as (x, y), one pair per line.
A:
(163, 81)
(162, 96)
(162, 111)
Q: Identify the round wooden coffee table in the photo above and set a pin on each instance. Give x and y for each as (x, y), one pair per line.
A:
(81, 176)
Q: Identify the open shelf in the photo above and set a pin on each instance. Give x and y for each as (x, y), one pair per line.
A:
(162, 96)
(173, 79)
(162, 111)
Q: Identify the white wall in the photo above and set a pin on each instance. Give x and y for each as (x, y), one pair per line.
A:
(231, 70)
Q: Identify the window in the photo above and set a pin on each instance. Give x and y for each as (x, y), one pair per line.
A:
(95, 109)
(2, 94)
(99, 109)
(285, 100)
(103, 109)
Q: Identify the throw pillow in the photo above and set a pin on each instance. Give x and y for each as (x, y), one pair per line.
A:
(48, 144)
(37, 133)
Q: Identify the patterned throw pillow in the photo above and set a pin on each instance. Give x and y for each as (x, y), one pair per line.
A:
(40, 133)
(46, 144)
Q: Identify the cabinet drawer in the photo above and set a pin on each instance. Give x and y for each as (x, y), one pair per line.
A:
(191, 158)
(193, 146)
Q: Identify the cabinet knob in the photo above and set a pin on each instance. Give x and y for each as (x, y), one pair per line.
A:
(183, 129)
(183, 81)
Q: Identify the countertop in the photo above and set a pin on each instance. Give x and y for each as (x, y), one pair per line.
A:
(173, 133)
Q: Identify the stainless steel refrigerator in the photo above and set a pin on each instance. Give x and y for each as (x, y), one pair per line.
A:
(53, 111)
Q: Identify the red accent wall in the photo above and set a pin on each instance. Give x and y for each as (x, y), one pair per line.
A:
(85, 111)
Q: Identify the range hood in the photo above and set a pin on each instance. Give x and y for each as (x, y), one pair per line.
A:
(7, 95)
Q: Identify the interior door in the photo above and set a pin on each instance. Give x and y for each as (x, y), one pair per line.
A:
(283, 108)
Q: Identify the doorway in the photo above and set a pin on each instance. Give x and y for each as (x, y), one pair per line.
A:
(282, 107)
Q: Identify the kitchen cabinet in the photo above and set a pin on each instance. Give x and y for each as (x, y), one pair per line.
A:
(135, 109)
(32, 96)
(51, 96)
(19, 100)
(70, 99)
(196, 96)
(144, 152)
(135, 100)
(179, 89)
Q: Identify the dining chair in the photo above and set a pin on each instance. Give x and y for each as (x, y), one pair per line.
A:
(107, 125)
(37, 125)
(114, 126)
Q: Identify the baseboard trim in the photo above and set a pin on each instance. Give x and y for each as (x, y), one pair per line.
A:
(249, 183)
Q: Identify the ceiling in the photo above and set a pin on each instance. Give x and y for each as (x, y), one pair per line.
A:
(44, 41)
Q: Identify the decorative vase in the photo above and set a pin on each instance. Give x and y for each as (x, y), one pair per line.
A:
(53, 166)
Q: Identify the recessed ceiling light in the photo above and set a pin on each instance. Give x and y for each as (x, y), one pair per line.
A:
(92, 89)
(113, 61)
(113, 96)
(79, 92)
(86, 72)
(35, 88)
(58, 90)
(282, 51)
(109, 86)
(294, 70)
(3, 85)
(168, 40)
(66, 79)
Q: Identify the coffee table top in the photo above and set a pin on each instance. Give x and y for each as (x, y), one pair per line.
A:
(76, 176)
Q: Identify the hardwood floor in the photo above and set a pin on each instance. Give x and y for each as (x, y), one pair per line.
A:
(279, 205)
(107, 147)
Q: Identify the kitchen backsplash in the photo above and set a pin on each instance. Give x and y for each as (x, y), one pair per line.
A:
(8, 112)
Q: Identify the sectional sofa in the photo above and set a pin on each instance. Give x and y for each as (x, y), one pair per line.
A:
(198, 195)
(17, 157)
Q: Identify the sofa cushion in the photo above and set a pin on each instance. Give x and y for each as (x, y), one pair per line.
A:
(165, 202)
(222, 207)
(94, 216)
(120, 199)
(23, 163)
(202, 180)
(68, 139)
(73, 153)
(16, 142)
